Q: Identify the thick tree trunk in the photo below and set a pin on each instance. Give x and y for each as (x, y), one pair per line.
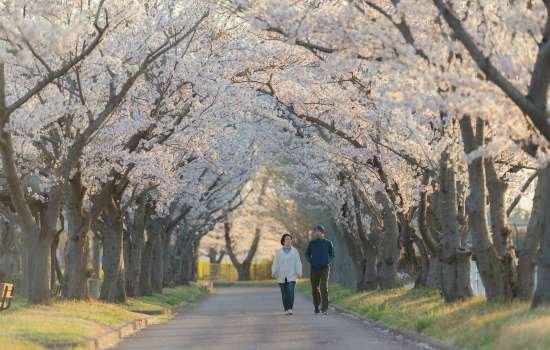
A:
(167, 255)
(530, 244)
(430, 245)
(369, 276)
(455, 260)
(8, 250)
(408, 261)
(244, 272)
(502, 232)
(368, 250)
(145, 285)
(39, 270)
(365, 265)
(75, 285)
(389, 245)
(492, 271)
(136, 245)
(157, 267)
(40, 250)
(25, 283)
(542, 292)
(186, 273)
(421, 279)
(185, 259)
(433, 280)
(113, 288)
(195, 264)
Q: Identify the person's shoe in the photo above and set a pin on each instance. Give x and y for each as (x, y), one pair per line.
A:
(290, 312)
(325, 313)
(317, 310)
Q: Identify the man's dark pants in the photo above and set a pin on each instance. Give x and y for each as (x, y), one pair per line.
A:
(319, 287)
(287, 293)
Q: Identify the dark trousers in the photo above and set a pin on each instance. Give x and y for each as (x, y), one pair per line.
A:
(319, 287)
(287, 292)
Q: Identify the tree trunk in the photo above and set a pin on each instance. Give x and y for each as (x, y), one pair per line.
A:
(365, 265)
(389, 245)
(39, 270)
(542, 292)
(433, 280)
(40, 249)
(76, 248)
(455, 260)
(136, 244)
(157, 270)
(530, 244)
(244, 272)
(39, 231)
(430, 245)
(408, 261)
(24, 289)
(369, 275)
(493, 274)
(167, 255)
(8, 250)
(368, 249)
(114, 283)
(145, 286)
(421, 279)
(76, 269)
(186, 274)
(502, 232)
(195, 264)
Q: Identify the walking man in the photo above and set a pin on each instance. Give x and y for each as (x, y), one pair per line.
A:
(319, 253)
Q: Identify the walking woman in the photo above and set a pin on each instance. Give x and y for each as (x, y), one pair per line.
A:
(286, 268)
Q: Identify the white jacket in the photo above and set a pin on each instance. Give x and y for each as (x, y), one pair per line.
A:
(286, 265)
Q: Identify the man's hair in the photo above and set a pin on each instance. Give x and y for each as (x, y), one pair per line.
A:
(285, 236)
(319, 227)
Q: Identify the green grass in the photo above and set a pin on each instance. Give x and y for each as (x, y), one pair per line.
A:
(35, 326)
(171, 297)
(473, 324)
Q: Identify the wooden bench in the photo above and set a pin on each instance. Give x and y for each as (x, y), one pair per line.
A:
(7, 291)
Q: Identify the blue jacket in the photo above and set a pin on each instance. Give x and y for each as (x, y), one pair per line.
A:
(319, 253)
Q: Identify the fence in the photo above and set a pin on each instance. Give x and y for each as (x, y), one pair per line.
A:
(225, 271)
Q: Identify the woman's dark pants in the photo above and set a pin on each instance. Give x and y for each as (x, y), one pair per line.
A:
(287, 292)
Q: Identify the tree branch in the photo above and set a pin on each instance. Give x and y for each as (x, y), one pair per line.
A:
(539, 84)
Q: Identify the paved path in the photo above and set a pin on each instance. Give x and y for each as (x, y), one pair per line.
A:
(246, 318)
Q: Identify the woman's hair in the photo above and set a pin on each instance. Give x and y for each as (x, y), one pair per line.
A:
(285, 236)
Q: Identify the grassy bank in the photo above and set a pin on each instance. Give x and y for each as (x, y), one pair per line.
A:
(474, 324)
(35, 327)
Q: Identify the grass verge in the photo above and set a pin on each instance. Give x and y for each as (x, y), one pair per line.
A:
(37, 327)
(472, 324)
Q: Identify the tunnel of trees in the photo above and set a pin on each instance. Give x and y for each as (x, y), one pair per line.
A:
(413, 130)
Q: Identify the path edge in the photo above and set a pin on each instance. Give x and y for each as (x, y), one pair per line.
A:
(114, 336)
(405, 333)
